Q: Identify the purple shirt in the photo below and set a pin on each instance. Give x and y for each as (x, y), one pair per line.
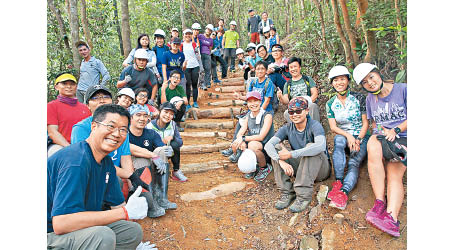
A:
(205, 44)
(389, 111)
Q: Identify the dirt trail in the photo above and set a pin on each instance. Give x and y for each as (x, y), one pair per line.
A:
(247, 219)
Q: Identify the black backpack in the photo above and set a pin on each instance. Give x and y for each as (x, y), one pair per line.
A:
(274, 99)
(305, 79)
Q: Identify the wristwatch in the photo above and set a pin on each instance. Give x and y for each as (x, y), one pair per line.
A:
(243, 138)
(397, 130)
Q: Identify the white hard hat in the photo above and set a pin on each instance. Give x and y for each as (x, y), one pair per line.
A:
(196, 26)
(361, 71)
(266, 29)
(141, 54)
(247, 161)
(159, 32)
(126, 91)
(210, 26)
(239, 51)
(251, 45)
(338, 70)
(187, 31)
(233, 23)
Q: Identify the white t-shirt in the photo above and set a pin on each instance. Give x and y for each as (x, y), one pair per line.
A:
(189, 55)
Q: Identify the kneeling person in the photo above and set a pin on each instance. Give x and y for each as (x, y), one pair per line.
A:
(307, 161)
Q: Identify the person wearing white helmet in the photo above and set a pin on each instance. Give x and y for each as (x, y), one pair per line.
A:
(346, 113)
(139, 76)
(125, 97)
(387, 111)
(188, 47)
(159, 50)
(230, 42)
(265, 24)
(206, 45)
(266, 37)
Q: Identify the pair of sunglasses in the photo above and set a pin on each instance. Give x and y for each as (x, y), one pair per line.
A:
(295, 111)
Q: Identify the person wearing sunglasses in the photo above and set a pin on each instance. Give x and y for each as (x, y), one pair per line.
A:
(306, 162)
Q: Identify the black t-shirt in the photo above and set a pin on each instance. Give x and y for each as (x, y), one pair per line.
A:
(149, 140)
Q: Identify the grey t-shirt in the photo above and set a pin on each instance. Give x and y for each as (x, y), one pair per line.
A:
(299, 88)
(255, 129)
(139, 79)
(297, 139)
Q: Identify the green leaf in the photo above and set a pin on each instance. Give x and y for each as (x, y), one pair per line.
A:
(400, 76)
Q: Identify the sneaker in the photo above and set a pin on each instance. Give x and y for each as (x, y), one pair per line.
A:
(378, 208)
(227, 152)
(386, 223)
(188, 107)
(339, 200)
(336, 187)
(284, 201)
(299, 205)
(235, 157)
(251, 175)
(179, 176)
(263, 173)
(183, 118)
(195, 105)
(217, 81)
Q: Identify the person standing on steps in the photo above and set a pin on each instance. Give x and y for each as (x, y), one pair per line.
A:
(346, 112)
(216, 56)
(159, 50)
(252, 26)
(63, 113)
(386, 148)
(167, 129)
(174, 60)
(206, 45)
(90, 70)
(195, 32)
(125, 97)
(170, 91)
(188, 47)
(274, 38)
(256, 129)
(220, 25)
(230, 42)
(265, 24)
(81, 184)
(306, 162)
(148, 151)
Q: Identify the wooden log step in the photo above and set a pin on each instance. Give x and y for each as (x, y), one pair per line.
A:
(240, 83)
(210, 125)
(221, 95)
(204, 166)
(205, 148)
(236, 79)
(204, 134)
(230, 89)
(227, 103)
(214, 113)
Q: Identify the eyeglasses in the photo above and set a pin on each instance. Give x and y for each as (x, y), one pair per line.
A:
(295, 111)
(175, 77)
(103, 97)
(111, 128)
(142, 95)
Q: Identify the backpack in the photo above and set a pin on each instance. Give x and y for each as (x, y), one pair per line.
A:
(305, 79)
(274, 99)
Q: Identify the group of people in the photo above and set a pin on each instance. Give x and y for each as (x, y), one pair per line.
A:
(109, 163)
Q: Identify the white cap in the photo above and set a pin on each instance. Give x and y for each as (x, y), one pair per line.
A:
(174, 29)
(210, 26)
(159, 32)
(196, 26)
(361, 71)
(233, 23)
(141, 54)
(175, 99)
(187, 31)
(338, 70)
(247, 161)
(239, 51)
(266, 29)
(126, 91)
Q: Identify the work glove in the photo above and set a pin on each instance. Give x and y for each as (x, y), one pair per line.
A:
(146, 246)
(168, 151)
(160, 165)
(127, 78)
(136, 206)
(136, 181)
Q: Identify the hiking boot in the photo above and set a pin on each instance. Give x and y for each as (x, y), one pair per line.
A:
(195, 105)
(251, 175)
(263, 173)
(227, 152)
(179, 176)
(336, 186)
(386, 223)
(378, 208)
(299, 205)
(235, 157)
(180, 129)
(339, 200)
(160, 188)
(284, 201)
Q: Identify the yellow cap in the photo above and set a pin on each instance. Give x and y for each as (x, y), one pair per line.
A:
(65, 77)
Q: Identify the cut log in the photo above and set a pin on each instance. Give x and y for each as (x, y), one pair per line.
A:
(203, 134)
(210, 125)
(203, 167)
(230, 89)
(239, 83)
(215, 113)
(237, 79)
(221, 95)
(205, 148)
(227, 103)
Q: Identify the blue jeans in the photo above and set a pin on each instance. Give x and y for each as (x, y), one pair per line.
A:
(339, 161)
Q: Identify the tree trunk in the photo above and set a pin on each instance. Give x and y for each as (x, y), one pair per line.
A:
(62, 28)
(116, 22)
(183, 20)
(324, 40)
(360, 11)
(400, 24)
(72, 12)
(209, 12)
(349, 30)
(85, 23)
(126, 32)
(368, 35)
(302, 2)
(344, 41)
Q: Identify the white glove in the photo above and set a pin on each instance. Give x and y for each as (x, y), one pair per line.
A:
(168, 151)
(137, 206)
(146, 246)
(127, 78)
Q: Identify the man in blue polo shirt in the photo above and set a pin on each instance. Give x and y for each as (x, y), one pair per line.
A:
(81, 185)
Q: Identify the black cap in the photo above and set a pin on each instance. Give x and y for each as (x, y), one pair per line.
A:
(94, 89)
(250, 10)
(176, 40)
(168, 106)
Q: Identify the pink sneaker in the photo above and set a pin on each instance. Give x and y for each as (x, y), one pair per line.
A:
(378, 208)
(386, 223)
(339, 200)
(337, 185)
